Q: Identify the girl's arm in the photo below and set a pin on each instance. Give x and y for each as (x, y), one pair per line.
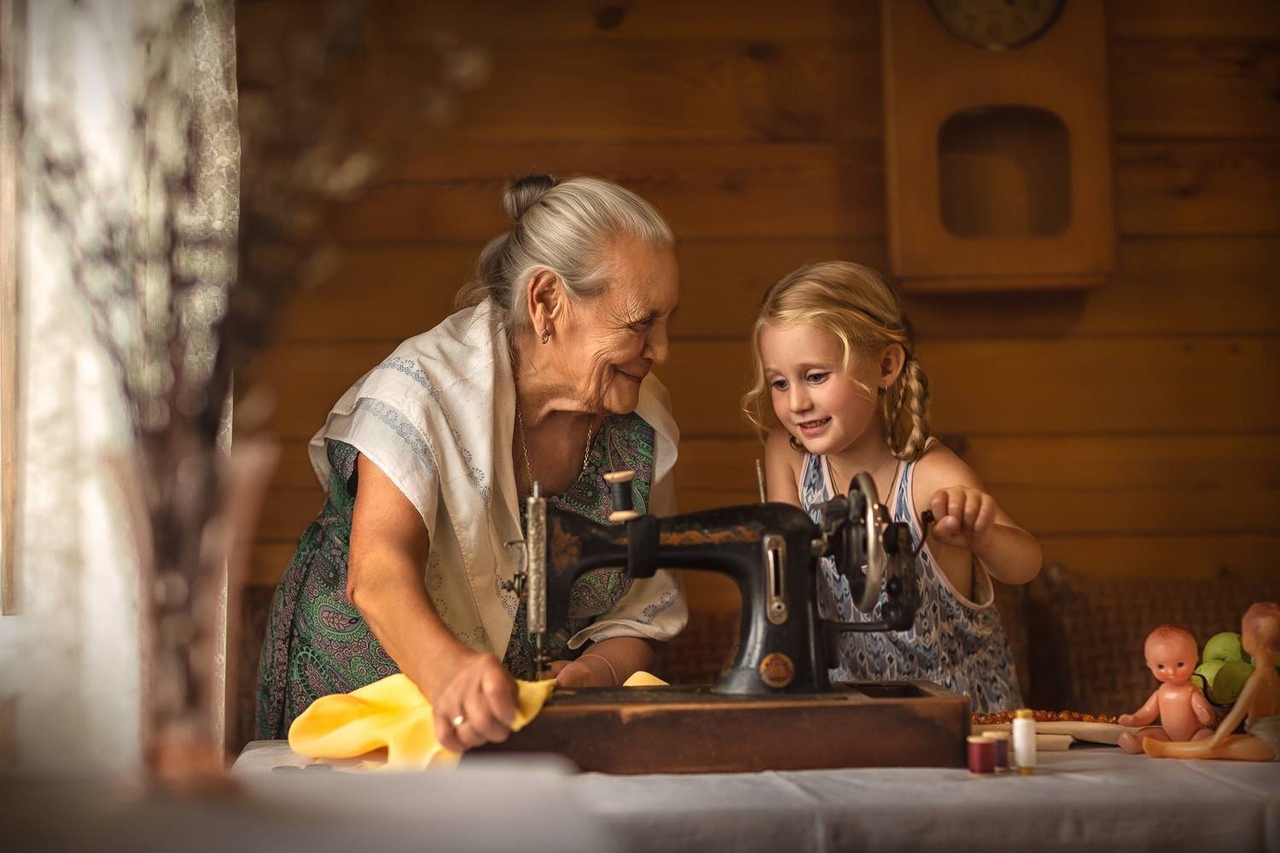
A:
(389, 547)
(782, 468)
(968, 523)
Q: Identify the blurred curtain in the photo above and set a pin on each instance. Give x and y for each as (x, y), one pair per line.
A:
(217, 207)
(71, 656)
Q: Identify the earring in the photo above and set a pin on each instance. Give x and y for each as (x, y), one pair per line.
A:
(795, 445)
(546, 335)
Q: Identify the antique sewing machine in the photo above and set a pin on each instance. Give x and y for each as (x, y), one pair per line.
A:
(774, 707)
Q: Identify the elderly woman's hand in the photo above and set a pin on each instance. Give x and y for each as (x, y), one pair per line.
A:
(476, 705)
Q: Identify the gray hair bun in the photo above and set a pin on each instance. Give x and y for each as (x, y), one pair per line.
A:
(563, 227)
(524, 193)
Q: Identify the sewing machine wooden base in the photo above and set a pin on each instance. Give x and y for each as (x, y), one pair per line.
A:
(679, 729)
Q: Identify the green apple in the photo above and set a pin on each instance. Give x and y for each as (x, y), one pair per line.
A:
(1228, 681)
(1224, 646)
(1207, 672)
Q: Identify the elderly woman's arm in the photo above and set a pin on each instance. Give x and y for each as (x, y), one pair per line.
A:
(389, 547)
(607, 663)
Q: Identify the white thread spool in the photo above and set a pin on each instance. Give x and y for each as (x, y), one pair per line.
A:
(1024, 740)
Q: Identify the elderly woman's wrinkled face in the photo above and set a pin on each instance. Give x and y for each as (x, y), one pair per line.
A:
(614, 339)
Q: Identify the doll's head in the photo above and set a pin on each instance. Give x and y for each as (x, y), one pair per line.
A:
(1260, 632)
(1171, 653)
(858, 307)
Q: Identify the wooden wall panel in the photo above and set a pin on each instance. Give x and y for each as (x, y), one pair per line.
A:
(579, 21)
(382, 293)
(1165, 556)
(752, 190)
(261, 22)
(293, 471)
(677, 92)
(769, 86)
(798, 191)
(1166, 188)
(1194, 19)
(1196, 88)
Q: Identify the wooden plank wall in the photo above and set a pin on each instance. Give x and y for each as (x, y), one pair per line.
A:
(1132, 428)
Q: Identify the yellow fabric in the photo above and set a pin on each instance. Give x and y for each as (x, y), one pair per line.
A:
(644, 679)
(392, 714)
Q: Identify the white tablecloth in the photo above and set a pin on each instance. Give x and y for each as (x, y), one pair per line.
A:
(1091, 798)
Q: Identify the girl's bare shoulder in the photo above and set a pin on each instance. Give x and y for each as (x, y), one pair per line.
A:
(782, 467)
(778, 442)
(939, 467)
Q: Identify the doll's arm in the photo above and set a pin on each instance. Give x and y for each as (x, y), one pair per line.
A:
(1203, 710)
(1145, 715)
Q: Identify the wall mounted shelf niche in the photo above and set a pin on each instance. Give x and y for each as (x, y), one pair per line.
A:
(997, 148)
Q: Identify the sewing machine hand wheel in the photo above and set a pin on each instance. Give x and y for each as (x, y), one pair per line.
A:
(869, 520)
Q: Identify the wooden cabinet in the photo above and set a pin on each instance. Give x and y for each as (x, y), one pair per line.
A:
(998, 162)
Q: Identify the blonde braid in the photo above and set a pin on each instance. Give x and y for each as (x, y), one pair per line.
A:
(906, 411)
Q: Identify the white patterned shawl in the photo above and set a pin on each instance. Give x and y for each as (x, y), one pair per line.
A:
(436, 417)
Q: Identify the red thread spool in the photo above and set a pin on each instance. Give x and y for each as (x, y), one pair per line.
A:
(1002, 740)
(982, 754)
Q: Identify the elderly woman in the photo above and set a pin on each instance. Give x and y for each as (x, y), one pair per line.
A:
(543, 377)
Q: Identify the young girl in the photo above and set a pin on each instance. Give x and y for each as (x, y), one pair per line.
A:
(838, 391)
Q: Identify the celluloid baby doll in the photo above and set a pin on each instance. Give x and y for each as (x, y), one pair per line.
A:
(1184, 712)
(1258, 703)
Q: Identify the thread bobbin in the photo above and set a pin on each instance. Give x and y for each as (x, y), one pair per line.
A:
(620, 493)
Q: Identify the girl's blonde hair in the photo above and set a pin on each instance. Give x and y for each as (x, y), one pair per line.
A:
(563, 227)
(858, 306)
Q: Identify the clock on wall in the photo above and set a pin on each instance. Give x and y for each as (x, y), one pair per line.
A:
(997, 24)
(998, 165)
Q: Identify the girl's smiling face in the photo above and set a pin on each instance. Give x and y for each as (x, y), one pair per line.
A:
(827, 407)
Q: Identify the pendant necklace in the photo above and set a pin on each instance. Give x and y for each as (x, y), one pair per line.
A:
(524, 448)
(841, 488)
